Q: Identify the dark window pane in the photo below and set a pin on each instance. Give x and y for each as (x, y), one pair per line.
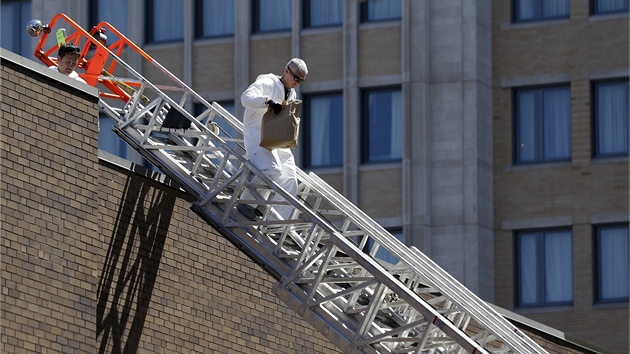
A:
(380, 10)
(214, 18)
(612, 264)
(165, 21)
(272, 15)
(537, 10)
(323, 130)
(15, 15)
(611, 119)
(382, 126)
(542, 125)
(321, 13)
(544, 268)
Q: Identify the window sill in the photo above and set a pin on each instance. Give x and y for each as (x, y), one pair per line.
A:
(533, 24)
(380, 24)
(538, 166)
(321, 30)
(163, 45)
(325, 170)
(610, 305)
(543, 309)
(606, 17)
(376, 166)
(613, 159)
(213, 40)
(271, 35)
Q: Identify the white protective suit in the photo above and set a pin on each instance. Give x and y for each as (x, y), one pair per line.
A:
(277, 164)
(73, 74)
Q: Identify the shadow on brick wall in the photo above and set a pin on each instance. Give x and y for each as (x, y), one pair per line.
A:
(131, 266)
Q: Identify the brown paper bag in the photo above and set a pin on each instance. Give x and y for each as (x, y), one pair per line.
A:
(281, 130)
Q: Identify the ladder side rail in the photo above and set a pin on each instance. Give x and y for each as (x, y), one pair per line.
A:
(484, 313)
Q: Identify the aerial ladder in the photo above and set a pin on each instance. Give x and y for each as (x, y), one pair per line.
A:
(324, 255)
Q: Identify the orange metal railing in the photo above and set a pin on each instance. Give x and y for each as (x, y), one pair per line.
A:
(96, 57)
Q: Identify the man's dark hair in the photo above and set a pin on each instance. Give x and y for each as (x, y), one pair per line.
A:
(68, 48)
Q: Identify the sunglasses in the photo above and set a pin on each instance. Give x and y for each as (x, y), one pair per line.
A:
(295, 77)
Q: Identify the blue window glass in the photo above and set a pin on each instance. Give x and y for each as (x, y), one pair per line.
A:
(323, 130)
(165, 21)
(15, 15)
(538, 10)
(542, 125)
(382, 125)
(214, 18)
(107, 140)
(544, 268)
(113, 12)
(383, 254)
(612, 263)
(380, 10)
(611, 118)
(599, 7)
(226, 131)
(272, 15)
(322, 13)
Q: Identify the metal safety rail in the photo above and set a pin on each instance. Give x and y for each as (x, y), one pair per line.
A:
(324, 254)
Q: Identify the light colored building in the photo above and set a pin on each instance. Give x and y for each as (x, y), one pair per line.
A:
(492, 135)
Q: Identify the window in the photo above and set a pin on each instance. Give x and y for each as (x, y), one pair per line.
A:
(380, 10)
(382, 253)
(538, 10)
(611, 245)
(382, 125)
(544, 268)
(323, 130)
(599, 7)
(322, 13)
(15, 15)
(214, 18)
(543, 125)
(112, 11)
(225, 130)
(165, 21)
(108, 140)
(610, 104)
(272, 15)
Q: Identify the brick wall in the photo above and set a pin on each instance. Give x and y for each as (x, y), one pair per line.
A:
(49, 208)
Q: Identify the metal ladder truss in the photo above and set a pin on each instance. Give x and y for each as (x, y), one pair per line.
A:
(323, 255)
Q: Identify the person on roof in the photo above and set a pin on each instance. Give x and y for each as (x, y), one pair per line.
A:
(269, 90)
(67, 59)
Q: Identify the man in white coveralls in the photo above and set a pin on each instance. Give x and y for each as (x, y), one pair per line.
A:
(268, 91)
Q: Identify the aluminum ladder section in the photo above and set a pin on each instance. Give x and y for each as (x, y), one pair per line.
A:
(323, 254)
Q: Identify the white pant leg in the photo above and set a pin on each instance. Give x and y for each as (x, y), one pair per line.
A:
(287, 180)
(279, 166)
(267, 162)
